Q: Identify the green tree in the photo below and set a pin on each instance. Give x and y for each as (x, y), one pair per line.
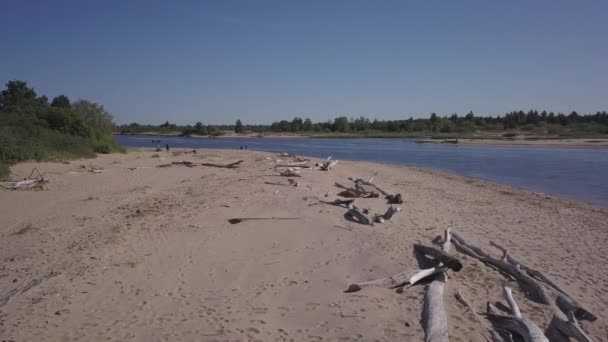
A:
(307, 126)
(61, 101)
(94, 114)
(340, 124)
(238, 127)
(17, 93)
(296, 124)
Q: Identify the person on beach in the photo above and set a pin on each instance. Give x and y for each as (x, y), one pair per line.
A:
(167, 147)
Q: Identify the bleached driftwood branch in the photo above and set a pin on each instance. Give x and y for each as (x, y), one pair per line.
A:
(564, 301)
(536, 290)
(562, 328)
(402, 279)
(328, 164)
(225, 166)
(392, 199)
(515, 324)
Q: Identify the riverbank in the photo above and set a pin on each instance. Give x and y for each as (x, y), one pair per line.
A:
(142, 252)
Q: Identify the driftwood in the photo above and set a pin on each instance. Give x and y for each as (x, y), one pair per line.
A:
(392, 199)
(535, 290)
(535, 284)
(28, 183)
(564, 301)
(515, 324)
(290, 173)
(328, 164)
(387, 215)
(291, 183)
(242, 219)
(225, 166)
(356, 192)
(562, 328)
(339, 202)
(434, 317)
(440, 255)
(399, 280)
(185, 163)
(358, 215)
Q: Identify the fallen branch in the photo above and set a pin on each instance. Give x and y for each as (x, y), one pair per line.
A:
(516, 324)
(441, 256)
(328, 164)
(225, 166)
(339, 202)
(402, 279)
(536, 290)
(290, 173)
(357, 215)
(243, 219)
(564, 301)
(562, 328)
(387, 215)
(185, 163)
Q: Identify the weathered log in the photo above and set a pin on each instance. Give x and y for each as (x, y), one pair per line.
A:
(434, 317)
(225, 166)
(392, 199)
(349, 194)
(516, 324)
(564, 301)
(381, 218)
(339, 202)
(536, 290)
(402, 279)
(447, 260)
(290, 173)
(242, 219)
(562, 328)
(356, 192)
(358, 215)
(26, 184)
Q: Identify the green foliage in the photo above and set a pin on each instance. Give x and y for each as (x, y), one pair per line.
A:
(31, 129)
(238, 127)
(61, 101)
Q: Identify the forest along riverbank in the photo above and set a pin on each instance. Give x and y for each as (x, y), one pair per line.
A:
(141, 246)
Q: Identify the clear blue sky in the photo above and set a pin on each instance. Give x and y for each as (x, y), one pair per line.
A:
(261, 61)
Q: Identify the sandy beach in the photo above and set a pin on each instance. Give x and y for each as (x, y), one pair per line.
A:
(138, 252)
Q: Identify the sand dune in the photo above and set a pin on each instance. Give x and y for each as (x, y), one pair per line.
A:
(143, 253)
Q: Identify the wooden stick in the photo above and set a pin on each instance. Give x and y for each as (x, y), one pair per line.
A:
(226, 166)
(242, 219)
(398, 280)
(440, 255)
(518, 325)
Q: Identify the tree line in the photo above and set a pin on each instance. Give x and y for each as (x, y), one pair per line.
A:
(32, 127)
(540, 122)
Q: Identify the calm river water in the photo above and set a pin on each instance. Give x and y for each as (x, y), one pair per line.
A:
(573, 173)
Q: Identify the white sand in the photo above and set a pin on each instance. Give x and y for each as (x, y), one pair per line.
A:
(148, 254)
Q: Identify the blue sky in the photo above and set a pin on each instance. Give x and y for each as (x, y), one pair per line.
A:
(262, 61)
